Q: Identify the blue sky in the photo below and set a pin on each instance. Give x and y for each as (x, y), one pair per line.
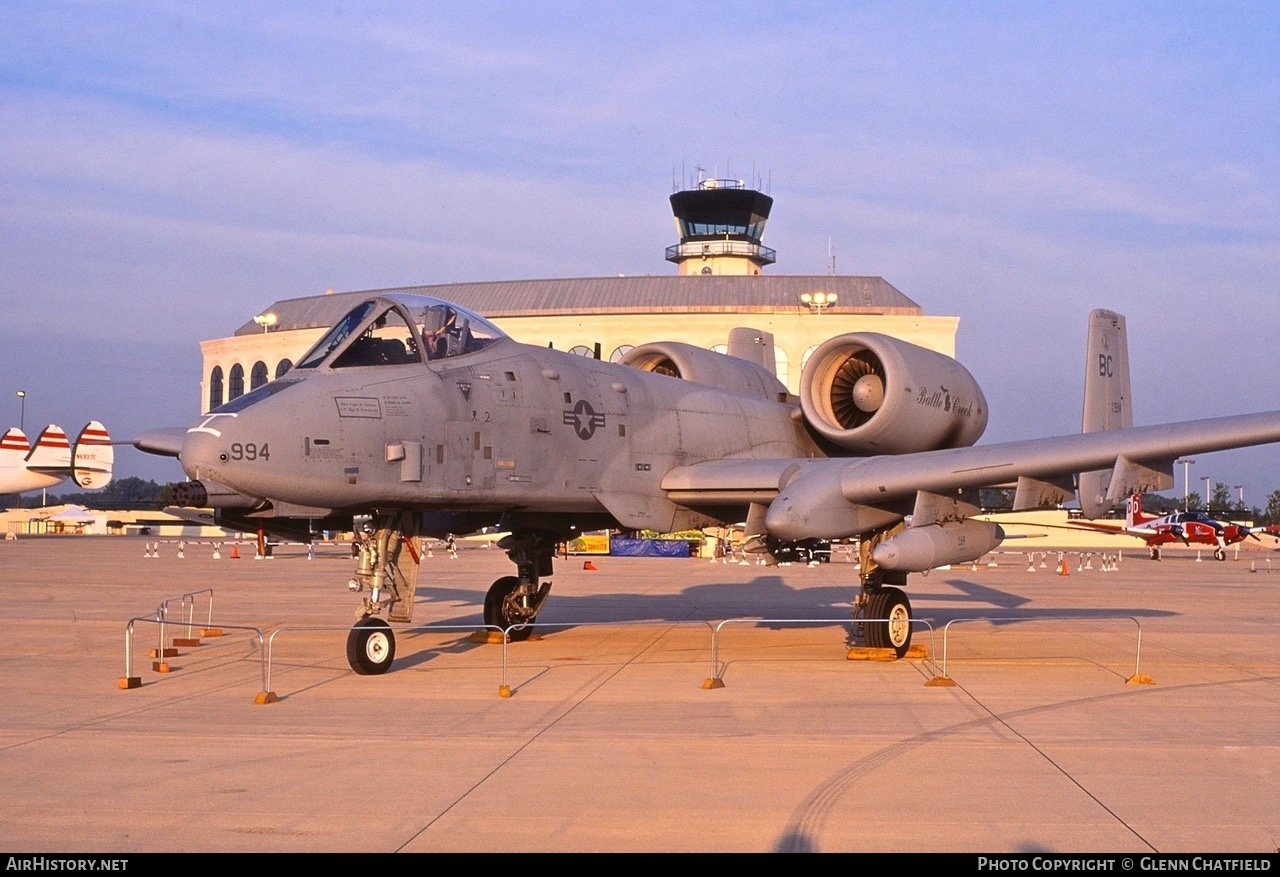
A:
(171, 168)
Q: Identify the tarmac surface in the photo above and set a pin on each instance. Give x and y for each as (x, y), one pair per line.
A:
(1047, 740)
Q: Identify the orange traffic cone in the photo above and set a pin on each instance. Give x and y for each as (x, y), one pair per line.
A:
(1062, 568)
(235, 550)
(588, 565)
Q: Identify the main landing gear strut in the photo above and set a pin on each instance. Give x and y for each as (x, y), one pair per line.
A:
(882, 612)
(513, 602)
(388, 557)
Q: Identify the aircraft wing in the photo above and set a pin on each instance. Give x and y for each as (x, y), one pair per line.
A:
(835, 498)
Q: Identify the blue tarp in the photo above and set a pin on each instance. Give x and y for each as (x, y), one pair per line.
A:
(648, 547)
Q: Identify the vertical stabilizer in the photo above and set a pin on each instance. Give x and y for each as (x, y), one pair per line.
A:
(1108, 405)
(755, 346)
(1107, 401)
(51, 452)
(13, 447)
(92, 457)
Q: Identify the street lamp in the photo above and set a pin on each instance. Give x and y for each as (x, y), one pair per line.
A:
(22, 413)
(266, 321)
(1206, 492)
(1240, 487)
(1186, 483)
(818, 300)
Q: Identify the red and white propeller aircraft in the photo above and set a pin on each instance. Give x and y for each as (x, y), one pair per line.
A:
(1188, 527)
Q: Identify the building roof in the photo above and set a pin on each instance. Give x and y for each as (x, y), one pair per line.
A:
(672, 294)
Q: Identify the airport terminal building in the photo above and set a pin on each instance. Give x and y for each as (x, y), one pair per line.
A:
(719, 284)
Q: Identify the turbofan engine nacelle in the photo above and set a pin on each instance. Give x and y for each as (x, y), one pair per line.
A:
(917, 549)
(872, 394)
(691, 363)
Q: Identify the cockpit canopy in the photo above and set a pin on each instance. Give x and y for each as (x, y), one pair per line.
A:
(401, 329)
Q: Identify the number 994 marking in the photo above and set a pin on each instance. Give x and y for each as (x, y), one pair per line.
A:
(250, 451)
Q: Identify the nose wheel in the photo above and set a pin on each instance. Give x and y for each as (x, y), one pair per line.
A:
(371, 647)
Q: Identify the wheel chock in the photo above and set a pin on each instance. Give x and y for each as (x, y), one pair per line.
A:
(1140, 679)
(266, 697)
(504, 691)
(160, 666)
(867, 653)
(124, 683)
(939, 682)
(185, 642)
(211, 631)
(712, 682)
(484, 637)
(589, 565)
(162, 653)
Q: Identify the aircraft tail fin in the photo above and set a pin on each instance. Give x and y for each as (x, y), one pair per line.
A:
(755, 346)
(1107, 399)
(1108, 404)
(51, 452)
(93, 457)
(13, 447)
(1133, 513)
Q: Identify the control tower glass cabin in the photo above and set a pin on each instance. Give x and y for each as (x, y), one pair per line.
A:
(720, 224)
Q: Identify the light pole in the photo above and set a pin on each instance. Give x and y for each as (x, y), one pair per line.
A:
(818, 300)
(1186, 483)
(22, 411)
(1240, 487)
(1206, 492)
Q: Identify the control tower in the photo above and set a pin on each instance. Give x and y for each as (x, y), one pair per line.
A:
(720, 224)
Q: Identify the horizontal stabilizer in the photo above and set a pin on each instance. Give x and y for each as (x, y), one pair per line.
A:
(93, 457)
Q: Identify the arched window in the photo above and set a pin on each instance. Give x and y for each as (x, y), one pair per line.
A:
(582, 350)
(215, 387)
(620, 352)
(283, 366)
(259, 375)
(236, 382)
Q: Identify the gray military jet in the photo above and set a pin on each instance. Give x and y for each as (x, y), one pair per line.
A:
(429, 419)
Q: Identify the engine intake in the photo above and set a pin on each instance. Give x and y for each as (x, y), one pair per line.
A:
(679, 360)
(872, 394)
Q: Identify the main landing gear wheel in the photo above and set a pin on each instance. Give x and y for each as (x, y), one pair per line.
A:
(1219, 554)
(371, 647)
(1155, 553)
(498, 614)
(895, 633)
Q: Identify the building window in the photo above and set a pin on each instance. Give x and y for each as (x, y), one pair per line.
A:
(582, 350)
(215, 387)
(236, 382)
(283, 366)
(620, 352)
(259, 376)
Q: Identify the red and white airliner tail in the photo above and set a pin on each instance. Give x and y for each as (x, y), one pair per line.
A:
(92, 457)
(52, 458)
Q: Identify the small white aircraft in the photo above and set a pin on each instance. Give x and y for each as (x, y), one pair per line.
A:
(53, 459)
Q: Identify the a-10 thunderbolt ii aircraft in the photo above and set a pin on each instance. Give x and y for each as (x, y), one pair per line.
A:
(428, 418)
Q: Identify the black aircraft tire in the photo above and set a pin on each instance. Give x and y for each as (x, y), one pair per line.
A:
(890, 603)
(495, 616)
(1219, 554)
(371, 647)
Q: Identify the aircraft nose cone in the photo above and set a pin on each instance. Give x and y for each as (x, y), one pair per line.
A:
(199, 455)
